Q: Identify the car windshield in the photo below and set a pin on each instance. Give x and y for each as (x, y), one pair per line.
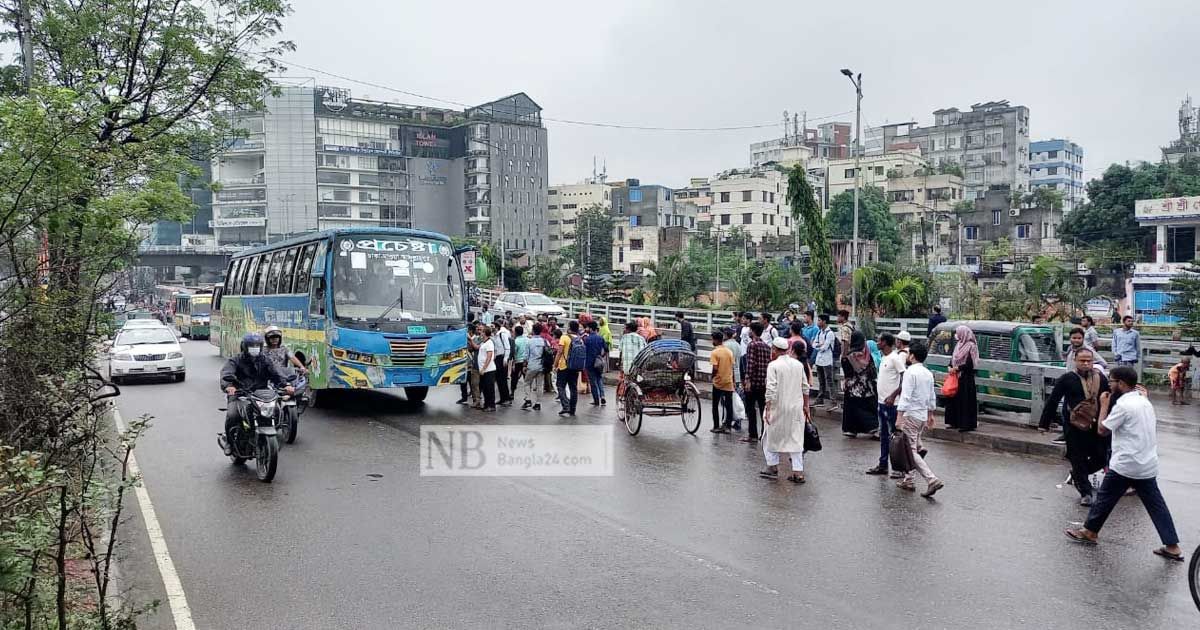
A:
(139, 336)
(1037, 347)
(537, 299)
(417, 275)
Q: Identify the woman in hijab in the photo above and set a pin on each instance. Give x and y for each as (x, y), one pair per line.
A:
(860, 403)
(647, 331)
(962, 410)
(606, 332)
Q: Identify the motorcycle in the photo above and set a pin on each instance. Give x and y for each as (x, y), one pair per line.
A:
(291, 408)
(257, 435)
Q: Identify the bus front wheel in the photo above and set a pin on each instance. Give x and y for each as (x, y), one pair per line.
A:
(416, 394)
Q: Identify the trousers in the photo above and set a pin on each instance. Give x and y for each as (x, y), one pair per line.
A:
(487, 383)
(773, 458)
(825, 376)
(887, 426)
(1113, 488)
(722, 399)
(502, 378)
(914, 429)
(595, 377)
(568, 389)
(756, 404)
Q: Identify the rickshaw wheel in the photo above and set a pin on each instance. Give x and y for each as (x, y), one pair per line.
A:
(633, 410)
(690, 410)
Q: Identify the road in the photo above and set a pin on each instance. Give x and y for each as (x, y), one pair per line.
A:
(683, 535)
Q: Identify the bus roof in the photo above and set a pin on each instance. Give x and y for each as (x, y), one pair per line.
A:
(325, 234)
(990, 326)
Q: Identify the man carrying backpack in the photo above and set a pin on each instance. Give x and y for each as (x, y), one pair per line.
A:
(1087, 450)
(571, 360)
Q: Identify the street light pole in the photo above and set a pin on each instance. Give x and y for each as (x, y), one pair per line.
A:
(856, 80)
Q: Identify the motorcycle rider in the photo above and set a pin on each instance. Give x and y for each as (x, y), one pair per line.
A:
(249, 371)
(279, 354)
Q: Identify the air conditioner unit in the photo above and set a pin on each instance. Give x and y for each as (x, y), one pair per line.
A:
(1015, 212)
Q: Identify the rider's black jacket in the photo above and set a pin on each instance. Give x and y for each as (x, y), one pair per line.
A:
(249, 373)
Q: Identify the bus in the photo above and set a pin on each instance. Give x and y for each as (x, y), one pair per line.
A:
(369, 307)
(193, 307)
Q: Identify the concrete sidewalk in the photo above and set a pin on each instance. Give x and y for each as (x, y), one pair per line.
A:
(1012, 433)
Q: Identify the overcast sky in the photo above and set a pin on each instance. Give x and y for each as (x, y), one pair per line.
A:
(1109, 75)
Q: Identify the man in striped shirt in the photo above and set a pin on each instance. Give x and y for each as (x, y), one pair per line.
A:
(758, 356)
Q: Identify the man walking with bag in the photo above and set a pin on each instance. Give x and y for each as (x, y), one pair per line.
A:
(891, 370)
(915, 409)
(1086, 449)
(1134, 463)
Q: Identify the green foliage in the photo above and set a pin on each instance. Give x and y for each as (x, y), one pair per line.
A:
(808, 218)
(768, 286)
(885, 290)
(998, 251)
(594, 246)
(1047, 287)
(1186, 302)
(676, 282)
(949, 168)
(875, 220)
(1109, 213)
(638, 296)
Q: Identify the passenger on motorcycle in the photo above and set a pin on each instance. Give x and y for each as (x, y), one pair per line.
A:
(279, 354)
(249, 371)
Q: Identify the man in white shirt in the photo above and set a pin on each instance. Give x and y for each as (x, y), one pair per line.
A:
(1134, 463)
(887, 384)
(824, 360)
(917, 402)
(769, 333)
(503, 342)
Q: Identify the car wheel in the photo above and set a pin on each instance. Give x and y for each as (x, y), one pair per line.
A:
(180, 377)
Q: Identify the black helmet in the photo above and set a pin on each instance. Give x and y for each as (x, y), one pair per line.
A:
(252, 339)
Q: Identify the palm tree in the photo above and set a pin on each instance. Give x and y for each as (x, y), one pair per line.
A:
(808, 218)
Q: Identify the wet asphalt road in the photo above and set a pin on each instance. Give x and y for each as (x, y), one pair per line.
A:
(684, 535)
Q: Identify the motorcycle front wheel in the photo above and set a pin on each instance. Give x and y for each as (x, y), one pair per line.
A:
(268, 457)
(290, 427)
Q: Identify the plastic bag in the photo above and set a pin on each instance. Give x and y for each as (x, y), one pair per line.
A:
(950, 385)
(739, 409)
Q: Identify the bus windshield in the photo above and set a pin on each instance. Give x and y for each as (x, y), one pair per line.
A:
(201, 306)
(417, 275)
(1037, 347)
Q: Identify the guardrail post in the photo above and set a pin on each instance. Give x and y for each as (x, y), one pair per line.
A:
(1037, 395)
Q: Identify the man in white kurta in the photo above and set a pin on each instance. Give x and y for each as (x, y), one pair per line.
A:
(787, 402)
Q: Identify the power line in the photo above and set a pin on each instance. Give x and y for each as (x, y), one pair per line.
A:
(565, 121)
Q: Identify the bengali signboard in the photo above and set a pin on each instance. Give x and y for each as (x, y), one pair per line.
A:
(1170, 209)
(467, 261)
(236, 223)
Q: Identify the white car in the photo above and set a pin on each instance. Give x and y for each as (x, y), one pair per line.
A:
(526, 303)
(146, 352)
(142, 323)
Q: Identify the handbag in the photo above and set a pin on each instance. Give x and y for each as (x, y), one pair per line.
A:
(812, 438)
(900, 453)
(950, 385)
(739, 409)
(1083, 415)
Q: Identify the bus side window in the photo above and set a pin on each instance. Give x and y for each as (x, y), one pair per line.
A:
(218, 291)
(287, 271)
(251, 276)
(316, 296)
(304, 267)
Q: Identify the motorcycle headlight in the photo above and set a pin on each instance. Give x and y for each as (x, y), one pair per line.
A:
(122, 356)
(267, 409)
(175, 355)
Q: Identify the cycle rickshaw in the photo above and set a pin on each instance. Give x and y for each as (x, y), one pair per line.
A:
(658, 384)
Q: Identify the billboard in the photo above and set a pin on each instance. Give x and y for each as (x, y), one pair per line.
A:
(1171, 209)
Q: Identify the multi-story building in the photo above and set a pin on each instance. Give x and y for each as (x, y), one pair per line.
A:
(1176, 222)
(565, 202)
(1030, 231)
(877, 170)
(784, 151)
(918, 202)
(641, 215)
(1058, 165)
(317, 158)
(990, 144)
(754, 200)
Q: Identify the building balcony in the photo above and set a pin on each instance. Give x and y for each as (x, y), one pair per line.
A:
(231, 182)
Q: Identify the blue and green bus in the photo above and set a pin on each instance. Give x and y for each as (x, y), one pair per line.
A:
(369, 307)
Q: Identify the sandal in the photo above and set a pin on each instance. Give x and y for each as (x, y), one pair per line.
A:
(795, 478)
(1077, 536)
(1162, 552)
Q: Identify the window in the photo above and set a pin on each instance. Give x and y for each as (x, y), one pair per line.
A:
(879, 170)
(772, 198)
(255, 281)
(849, 173)
(1053, 170)
(764, 218)
(620, 232)
(365, 179)
(764, 195)
(274, 272)
(971, 260)
(724, 197)
(1024, 230)
(621, 254)
(288, 270)
(747, 218)
(996, 217)
(747, 194)
(633, 220)
(635, 244)
(333, 177)
(1053, 154)
(971, 232)
(635, 195)
(304, 267)
(724, 219)
(234, 277)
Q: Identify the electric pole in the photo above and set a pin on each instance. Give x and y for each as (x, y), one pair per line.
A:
(857, 82)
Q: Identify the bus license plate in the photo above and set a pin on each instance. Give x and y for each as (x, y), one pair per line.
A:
(416, 330)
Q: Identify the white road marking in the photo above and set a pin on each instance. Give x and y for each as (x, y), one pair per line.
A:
(176, 599)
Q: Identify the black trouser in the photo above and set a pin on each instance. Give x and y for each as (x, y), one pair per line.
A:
(568, 389)
(825, 375)
(233, 415)
(1087, 453)
(1111, 491)
(721, 398)
(756, 405)
(502, 379)
(547, 383)
(518, 371)
(487, 382)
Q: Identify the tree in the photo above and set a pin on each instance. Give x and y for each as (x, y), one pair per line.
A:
(767, 286)
(875, 220)
(949, 168)
(675, 282)
(1108, 217)
(593, 245)
(1185, 304)
(810, 221)
(885, 290)
(121, 97)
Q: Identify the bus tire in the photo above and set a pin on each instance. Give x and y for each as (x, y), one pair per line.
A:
(416, 394)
